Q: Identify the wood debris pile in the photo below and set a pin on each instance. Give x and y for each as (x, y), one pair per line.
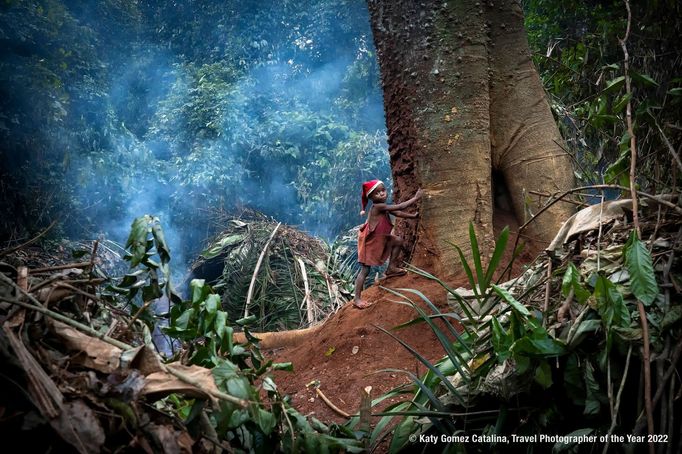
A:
(75, 375)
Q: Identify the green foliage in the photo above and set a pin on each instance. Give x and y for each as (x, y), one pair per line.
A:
(577, 50)
(240, 370)
(501, 358)
(274, 107)
(148, 279)
(642, 278)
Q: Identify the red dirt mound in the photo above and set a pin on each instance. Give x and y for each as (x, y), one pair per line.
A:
(327, 355)
(328, 358)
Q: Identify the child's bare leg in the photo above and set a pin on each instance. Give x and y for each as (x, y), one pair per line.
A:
(359, 285)
(395, 243)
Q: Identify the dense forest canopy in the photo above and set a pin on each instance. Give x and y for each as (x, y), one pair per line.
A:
(191, 109)
(186, 110)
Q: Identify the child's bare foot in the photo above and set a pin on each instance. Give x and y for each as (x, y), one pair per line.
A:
(361, 304)
(393, 272)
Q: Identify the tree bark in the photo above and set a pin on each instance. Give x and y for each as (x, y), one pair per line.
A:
(463, 99)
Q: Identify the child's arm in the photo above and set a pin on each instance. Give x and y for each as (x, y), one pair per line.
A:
(399, 206)
(402, 214)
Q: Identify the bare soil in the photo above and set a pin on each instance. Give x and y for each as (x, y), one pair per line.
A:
(326, 358)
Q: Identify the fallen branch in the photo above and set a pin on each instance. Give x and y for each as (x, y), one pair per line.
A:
(68, 321)
(331, 405)
(86, 329)
(59, 267)
(124, 346)
(29, 242)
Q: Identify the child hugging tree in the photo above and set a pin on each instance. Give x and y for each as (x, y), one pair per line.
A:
(376, 243)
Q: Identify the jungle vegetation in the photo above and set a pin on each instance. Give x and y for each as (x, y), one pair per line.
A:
(195, 111)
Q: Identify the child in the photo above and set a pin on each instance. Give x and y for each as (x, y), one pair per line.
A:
(376, 243)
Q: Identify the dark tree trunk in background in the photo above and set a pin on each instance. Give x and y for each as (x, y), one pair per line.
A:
(464, 102)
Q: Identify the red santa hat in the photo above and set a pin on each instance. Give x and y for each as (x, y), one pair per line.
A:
(367, 188)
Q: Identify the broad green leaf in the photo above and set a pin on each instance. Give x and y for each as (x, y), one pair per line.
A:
(161, 246)
(610, 304)
(592, 401)
(520, 308)
(614, 84)
(501, 340)
(643, 79)
(265, 420)
(671, 317)
(269, 384)
(543, 375)
(628, 334)
(197, 286)
(212, 303)
(543, 348)
(642, 278)
(570, 281)
(137, 240)
(183, 321)
(621, 103)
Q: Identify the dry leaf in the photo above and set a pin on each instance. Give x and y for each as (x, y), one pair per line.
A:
(78, 425)
(160, 384)
(97, 354)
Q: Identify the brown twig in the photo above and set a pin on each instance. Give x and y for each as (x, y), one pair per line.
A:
(616, 406)
(137, 314)
(549, 195)
(548, 286)
(628, 117)
(29, 242)
(647, 374)
(672, 151)
(59, 267)
(331, 405)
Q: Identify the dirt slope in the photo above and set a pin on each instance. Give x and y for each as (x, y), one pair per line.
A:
(342, 374)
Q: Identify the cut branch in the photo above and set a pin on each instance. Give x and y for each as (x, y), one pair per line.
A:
(255, 271)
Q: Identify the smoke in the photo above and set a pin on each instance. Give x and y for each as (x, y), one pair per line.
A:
(140, 127)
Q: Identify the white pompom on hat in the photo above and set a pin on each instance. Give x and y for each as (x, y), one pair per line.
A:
(367, 188)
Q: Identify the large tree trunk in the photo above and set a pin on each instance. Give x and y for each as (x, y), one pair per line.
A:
(463, 101)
